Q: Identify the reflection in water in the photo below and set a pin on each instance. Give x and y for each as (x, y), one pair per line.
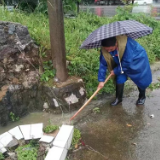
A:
(111, 133)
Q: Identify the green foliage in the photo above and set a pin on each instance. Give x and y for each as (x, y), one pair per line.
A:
(150, 43)
(50, 128)
(13, 117)
(34, 143)
(84, 63)
(27, 6)
(42, 7)
(1, 156)
(96, 110)
(76, 137)
(154, 86)
(47, 75)
(27, 152)
(49, 72)
(68, 6)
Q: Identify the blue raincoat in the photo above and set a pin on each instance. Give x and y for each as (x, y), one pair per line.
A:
(135, 65)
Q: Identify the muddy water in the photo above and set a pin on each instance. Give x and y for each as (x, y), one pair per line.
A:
(124, 132)
(38, 117)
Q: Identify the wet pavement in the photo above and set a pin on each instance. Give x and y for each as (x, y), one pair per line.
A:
(124, 132)
(109, 11)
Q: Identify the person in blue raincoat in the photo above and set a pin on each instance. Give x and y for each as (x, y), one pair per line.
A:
(124, 57)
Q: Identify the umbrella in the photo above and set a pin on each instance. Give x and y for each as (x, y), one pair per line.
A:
(131, 28)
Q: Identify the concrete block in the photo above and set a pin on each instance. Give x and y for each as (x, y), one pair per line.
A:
(5, 139)
(64, 137)
(37, 130)
(56, 153)
(46, 139)
(14, 143)
(16, 133)
(2, 149)
(32, 131)
(26, 131)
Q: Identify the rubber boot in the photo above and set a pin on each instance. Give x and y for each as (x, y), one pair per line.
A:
(119, 94)
(142, 97)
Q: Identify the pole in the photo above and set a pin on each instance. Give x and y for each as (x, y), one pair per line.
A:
(57, 38)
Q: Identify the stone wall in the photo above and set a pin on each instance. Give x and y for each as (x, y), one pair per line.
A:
(20, 88)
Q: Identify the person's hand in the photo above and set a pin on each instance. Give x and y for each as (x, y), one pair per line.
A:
(112, 73)
(100, 85)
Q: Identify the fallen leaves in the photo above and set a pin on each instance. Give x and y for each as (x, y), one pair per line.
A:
(76, 146)
(129, 125)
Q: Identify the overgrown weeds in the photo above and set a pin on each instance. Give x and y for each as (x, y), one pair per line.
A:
(27, 152)
(76, 137)
(84, 63)
(1, 156)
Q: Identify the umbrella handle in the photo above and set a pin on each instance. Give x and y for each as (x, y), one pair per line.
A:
(89, 99)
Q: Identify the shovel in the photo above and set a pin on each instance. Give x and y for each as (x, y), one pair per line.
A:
(89, 99)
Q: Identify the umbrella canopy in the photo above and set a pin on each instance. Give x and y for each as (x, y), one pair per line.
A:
(131, 28)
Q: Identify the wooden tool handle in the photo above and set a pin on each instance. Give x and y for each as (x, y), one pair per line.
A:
(89, 99)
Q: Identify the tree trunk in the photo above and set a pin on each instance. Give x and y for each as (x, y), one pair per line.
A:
(56, 21)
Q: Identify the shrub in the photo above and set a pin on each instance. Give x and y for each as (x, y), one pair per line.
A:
(1, 156)
(50, 128)
(76, 137)
(26, 152)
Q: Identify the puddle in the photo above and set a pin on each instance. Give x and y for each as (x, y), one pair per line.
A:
(38, 117)
(124, 132)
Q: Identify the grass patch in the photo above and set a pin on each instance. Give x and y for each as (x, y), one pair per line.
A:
(50, 128)
(84, 63)
(76, 137)
(1, 156)
(153, 86)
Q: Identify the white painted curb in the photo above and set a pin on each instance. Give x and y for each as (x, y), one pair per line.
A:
(61, 143)
(56, 153)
